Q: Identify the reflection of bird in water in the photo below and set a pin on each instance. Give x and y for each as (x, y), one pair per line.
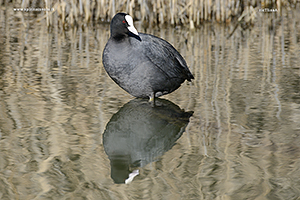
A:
(140, 132)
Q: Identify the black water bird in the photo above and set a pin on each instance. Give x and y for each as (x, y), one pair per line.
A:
(142, 64)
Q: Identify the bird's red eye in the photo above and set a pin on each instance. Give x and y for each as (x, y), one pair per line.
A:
(123, 22)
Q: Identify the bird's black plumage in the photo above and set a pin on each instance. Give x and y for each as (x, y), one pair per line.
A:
(142, 64)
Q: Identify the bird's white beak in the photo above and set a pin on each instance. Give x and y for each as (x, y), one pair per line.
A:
(131, 28)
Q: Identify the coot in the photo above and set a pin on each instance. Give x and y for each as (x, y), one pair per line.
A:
(142, 64)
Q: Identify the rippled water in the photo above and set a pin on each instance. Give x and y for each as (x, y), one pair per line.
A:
(67, 131)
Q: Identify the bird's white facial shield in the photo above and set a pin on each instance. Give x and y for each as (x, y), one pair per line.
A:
(131, 28)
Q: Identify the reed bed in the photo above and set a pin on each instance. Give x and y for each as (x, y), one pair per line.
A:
(175, 12)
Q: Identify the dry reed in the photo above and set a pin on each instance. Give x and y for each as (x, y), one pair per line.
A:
(174, 12)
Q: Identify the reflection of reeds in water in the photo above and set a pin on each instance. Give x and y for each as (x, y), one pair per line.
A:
(55, 100)
(187, 12)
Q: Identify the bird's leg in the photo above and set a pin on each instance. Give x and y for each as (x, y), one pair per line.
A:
(152, 97)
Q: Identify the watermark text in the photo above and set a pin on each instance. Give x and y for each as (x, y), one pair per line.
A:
(33, 9)
(267, 10)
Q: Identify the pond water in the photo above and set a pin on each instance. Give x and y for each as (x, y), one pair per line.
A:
(67, 131)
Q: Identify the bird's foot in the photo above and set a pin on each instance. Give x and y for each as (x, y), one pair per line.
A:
(152, 97)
